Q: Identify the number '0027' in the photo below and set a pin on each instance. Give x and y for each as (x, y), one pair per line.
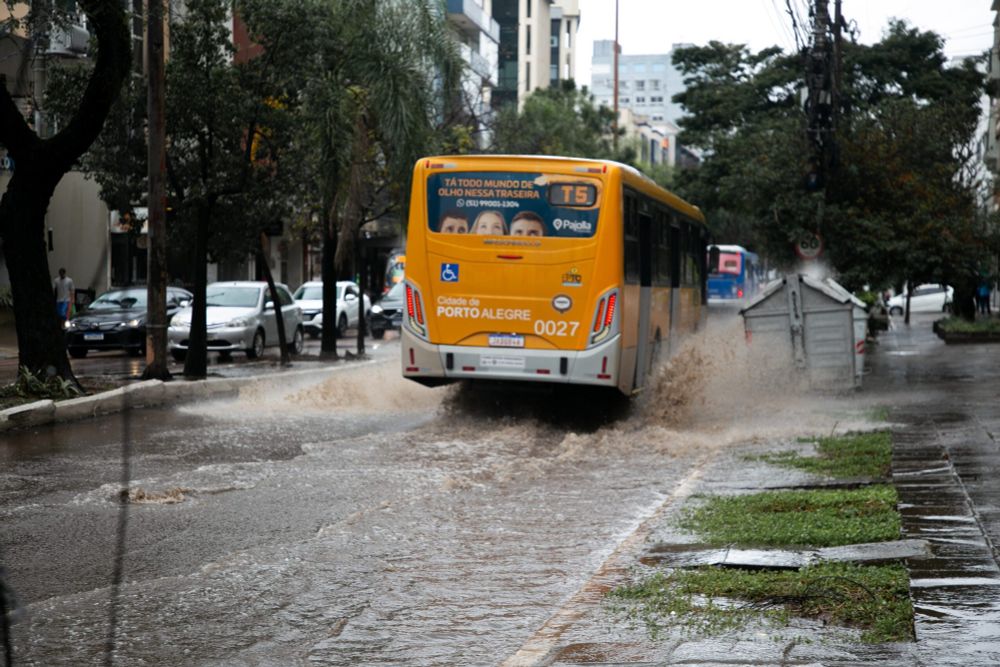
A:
(555, 328)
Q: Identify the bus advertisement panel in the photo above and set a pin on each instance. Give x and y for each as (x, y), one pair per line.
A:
(512, 204)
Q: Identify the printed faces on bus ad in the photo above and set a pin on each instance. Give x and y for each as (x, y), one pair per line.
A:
(513, 204)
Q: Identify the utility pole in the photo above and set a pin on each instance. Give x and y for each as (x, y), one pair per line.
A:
(156, 258)
(614, 122)
(823, 85)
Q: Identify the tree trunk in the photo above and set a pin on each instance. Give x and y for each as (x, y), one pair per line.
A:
(328, 345)
(41, 163)
(41, 340)
(196, 363)
(362, 285)
(279, 316)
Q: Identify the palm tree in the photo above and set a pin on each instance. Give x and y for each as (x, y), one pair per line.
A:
(392, 77)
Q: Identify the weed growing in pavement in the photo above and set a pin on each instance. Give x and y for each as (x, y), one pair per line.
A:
(852, 455)
(712, 600)
(816, 517)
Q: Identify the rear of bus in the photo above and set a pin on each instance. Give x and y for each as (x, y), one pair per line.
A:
(727, 275)
(514, 271)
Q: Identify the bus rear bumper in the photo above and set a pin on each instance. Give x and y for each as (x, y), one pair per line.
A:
(438, 364)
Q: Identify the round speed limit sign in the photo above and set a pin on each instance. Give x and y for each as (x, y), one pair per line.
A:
(810, 246)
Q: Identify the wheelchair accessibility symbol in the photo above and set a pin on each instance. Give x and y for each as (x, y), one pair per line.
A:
(449, 273)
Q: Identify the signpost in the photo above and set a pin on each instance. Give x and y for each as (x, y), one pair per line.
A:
(809, 246)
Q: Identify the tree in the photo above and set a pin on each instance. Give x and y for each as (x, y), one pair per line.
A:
(556, 121)
(41, 163)
(899, 203)
(387, 71)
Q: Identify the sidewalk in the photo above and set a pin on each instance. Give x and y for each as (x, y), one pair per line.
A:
(944, 413)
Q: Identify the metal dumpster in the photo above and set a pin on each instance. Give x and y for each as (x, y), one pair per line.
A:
(818, 323)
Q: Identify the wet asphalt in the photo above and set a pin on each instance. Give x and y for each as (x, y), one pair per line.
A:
(942, 404)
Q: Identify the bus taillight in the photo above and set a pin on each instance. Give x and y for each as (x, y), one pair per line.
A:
(604, 319)
(739, 294)
(415, 311)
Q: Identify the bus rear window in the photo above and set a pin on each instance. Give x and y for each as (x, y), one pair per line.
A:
(513, 204)
(728, 263)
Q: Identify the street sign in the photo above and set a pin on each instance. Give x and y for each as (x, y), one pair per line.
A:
(810, 246)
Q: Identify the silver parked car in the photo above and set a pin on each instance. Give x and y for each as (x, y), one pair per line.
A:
(240, 317)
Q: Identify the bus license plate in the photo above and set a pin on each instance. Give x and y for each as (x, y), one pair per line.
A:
(506, 340)
(97, 336)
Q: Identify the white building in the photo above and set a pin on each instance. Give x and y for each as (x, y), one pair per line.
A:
(537, 45)
(645, 82)
(479, 41)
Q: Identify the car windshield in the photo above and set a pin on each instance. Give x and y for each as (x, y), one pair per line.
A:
(234, 297)
(309, 293)
(120, 299)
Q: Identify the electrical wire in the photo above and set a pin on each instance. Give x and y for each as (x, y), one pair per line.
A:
(121, 532)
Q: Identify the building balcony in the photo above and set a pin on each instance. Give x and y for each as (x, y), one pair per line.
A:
(479, 64)
(472, 19)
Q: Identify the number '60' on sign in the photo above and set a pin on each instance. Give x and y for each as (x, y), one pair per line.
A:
(809, 246)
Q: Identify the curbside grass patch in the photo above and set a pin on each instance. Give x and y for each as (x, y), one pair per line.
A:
(711, 600)
(814, 517)
(852, 455)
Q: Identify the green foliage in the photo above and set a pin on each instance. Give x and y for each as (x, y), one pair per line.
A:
(30, 386)
(707, 600)
(556, 121)
(852, 455)
(900, 200)
(961, 325)
(815, 518)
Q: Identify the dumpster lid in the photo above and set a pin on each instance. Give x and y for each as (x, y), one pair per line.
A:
(827, 286)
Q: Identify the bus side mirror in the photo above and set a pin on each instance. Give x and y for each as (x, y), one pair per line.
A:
(713, 258)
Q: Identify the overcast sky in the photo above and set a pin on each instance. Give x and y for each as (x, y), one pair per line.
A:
(652, 26)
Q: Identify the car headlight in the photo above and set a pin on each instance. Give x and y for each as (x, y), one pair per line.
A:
(376, 309)
(69, 325)
(238, 323)
(134, 323)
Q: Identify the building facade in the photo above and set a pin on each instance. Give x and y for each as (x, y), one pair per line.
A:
(645, 82)
(537, 46)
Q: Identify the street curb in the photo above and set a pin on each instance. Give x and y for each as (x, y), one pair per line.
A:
(153, 393)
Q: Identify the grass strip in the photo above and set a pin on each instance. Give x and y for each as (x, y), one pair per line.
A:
(712, 600)
(807, 518)
(852, 455)
(959, 325)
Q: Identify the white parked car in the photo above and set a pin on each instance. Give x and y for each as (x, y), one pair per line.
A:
(240, 317)
(310, 298)
(927, 298)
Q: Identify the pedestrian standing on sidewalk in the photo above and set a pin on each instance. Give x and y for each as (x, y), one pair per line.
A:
(983, 297)
(65, 292)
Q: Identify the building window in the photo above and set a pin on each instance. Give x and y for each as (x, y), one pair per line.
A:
(654, 84)
(640, 67)
(640, 100)
(527, 8)
(622, 100)
(554, 41)
(554, 73)
(527, 41)
(569, 34)
(656, 99)
(527, 76)
(640, 85)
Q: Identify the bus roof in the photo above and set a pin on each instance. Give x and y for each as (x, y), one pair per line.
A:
(732, 248)
(632, 176)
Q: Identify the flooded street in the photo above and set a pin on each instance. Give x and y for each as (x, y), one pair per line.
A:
(364, 519)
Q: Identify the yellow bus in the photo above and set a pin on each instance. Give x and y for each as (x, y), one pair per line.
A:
(544, 269)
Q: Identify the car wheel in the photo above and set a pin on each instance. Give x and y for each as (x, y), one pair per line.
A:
(895, 310)
(378, 334)
(178, 355)
(298, 342)
(341, 325)
(78, 352)
(256, 348)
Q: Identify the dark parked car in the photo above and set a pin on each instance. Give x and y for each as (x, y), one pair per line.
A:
(116, 320)
(388, 312)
